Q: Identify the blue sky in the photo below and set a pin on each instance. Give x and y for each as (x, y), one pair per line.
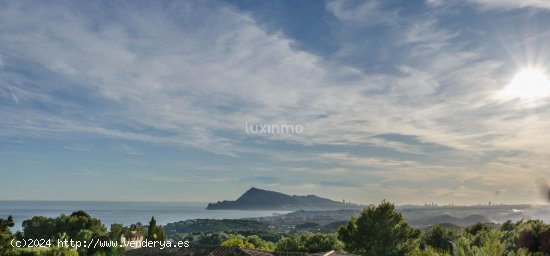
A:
(403, 100)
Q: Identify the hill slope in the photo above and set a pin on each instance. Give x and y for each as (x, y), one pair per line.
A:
(259, 199)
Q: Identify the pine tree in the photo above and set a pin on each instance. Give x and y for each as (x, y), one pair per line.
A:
(152, 230)
(379, 231)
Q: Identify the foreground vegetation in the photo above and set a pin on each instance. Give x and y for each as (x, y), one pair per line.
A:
(382, 230)
(378, 230)
(79, 226)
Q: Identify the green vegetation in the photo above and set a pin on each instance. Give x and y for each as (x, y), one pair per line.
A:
(49, 228)
(5, 234)
(154, 232)
(209, 225)
(379, 231)
(333, 226)
(201, 238)
(382, 230)
(308, 226)
(440, 237)
(524, 238)
(265, 235)
(249, 242)
(79, 226)
(310, 243)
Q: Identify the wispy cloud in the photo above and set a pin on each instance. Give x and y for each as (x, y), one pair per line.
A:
(190, 75)
(363, 12)
(510, 4)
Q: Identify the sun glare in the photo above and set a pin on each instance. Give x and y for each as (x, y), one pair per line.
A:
(529, 84)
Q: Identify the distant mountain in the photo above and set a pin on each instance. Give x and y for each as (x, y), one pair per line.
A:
(473, 219)
(448, 219)
(259, 199)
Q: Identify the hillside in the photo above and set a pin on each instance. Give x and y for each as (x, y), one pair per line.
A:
(448, 219)
(259, 199)
(211, 225)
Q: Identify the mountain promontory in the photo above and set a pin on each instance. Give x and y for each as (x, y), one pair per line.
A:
(259, 199)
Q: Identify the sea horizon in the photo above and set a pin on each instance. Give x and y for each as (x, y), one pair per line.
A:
(125, 212)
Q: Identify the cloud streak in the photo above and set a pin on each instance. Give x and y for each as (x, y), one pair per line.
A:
(190, 75)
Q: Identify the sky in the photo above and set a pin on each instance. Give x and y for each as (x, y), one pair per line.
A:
(414, 101)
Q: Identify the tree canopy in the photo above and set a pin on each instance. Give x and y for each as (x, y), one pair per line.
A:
(5, 234)
(310, 243)
(249, 242)
(379, 230)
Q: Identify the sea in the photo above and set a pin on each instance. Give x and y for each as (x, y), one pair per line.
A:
(126, 213)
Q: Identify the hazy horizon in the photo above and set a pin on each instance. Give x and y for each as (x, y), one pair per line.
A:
(428, 204)
(415, 102)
